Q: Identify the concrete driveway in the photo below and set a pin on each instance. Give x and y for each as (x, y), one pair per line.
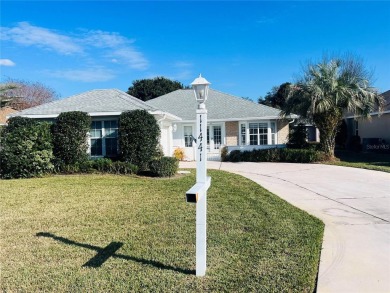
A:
(353, 203)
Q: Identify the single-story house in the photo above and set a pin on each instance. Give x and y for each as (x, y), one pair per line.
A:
(104, 106)
(375, 132)
(232, 121)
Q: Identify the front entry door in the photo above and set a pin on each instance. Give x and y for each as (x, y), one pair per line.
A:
(214, 138)
(189, 144)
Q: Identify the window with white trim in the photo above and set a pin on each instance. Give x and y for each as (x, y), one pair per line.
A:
(258, 133)
(273, 133)
(243, 134)
(188, 136)
(104, 138)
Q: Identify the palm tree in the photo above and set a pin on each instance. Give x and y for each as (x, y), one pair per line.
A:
(329, 89)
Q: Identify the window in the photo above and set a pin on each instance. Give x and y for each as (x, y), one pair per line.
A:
(111, 138)
(273, 133)
(217, 132)
(188, 136)
(104, 138)
(243, 134)
(258, 133)
(96, 138)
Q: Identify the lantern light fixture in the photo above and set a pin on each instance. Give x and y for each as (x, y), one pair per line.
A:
(201, 89)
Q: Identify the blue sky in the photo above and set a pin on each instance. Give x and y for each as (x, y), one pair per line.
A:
(242, 48)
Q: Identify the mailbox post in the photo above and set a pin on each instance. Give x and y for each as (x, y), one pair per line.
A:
(198, 193)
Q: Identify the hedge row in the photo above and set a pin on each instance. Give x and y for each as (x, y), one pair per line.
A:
(161, 167)
(276, 155)
(30, 148)
(102, 165)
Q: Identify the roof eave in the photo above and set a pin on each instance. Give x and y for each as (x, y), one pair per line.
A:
(244, 119)
(371, 114)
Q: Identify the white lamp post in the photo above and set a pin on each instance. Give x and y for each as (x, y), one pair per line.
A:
(198, 193)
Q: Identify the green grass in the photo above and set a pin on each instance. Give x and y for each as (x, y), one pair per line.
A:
(371, 161)
(105, 233)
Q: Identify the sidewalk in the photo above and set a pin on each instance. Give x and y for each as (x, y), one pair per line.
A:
(353, 203)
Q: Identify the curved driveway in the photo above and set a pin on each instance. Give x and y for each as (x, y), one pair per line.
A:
(353, 203)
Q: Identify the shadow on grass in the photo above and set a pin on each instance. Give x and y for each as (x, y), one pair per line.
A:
(103, 254)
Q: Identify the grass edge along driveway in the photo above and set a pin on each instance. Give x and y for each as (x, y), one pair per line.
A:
(121, 233)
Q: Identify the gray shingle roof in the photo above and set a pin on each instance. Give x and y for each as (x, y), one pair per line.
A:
(103, 100)
(220, 106)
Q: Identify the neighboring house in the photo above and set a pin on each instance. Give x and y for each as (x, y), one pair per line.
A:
(375, 131)
(4, 113)
(232, 121)
(104, 106)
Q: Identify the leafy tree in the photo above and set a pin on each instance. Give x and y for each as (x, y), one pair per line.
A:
(329, 88)
(70, 138)
(21, 94)
(139, 136)
(147, 89)
(277, 97)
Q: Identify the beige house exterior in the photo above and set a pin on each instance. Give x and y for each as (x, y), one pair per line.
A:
(233, 122)
(370, 130)
(4, 112)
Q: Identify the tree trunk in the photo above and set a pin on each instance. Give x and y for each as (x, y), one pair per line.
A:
(327, 123)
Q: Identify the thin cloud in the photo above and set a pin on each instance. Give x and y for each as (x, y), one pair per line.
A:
(130, 57)
(84, 75)
(102, 39)
(6, 62)
(89, 43)
(28, 35)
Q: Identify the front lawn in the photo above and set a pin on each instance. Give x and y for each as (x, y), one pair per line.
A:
(371, 161)
(106, 233)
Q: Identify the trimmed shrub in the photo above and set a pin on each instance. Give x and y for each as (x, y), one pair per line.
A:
(86, 166)
(179, 154)
(164, 167)
(124, 168)
(70, 138)
(235, 156)
(138, 137)
(26, 148)
(102, 165)
(224, 154)
(277, 155)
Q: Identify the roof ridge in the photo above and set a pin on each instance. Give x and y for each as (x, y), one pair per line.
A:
(246, 101)
(123, 95)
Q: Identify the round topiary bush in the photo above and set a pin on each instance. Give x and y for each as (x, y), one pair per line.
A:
(70, 138)
(139, 136)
